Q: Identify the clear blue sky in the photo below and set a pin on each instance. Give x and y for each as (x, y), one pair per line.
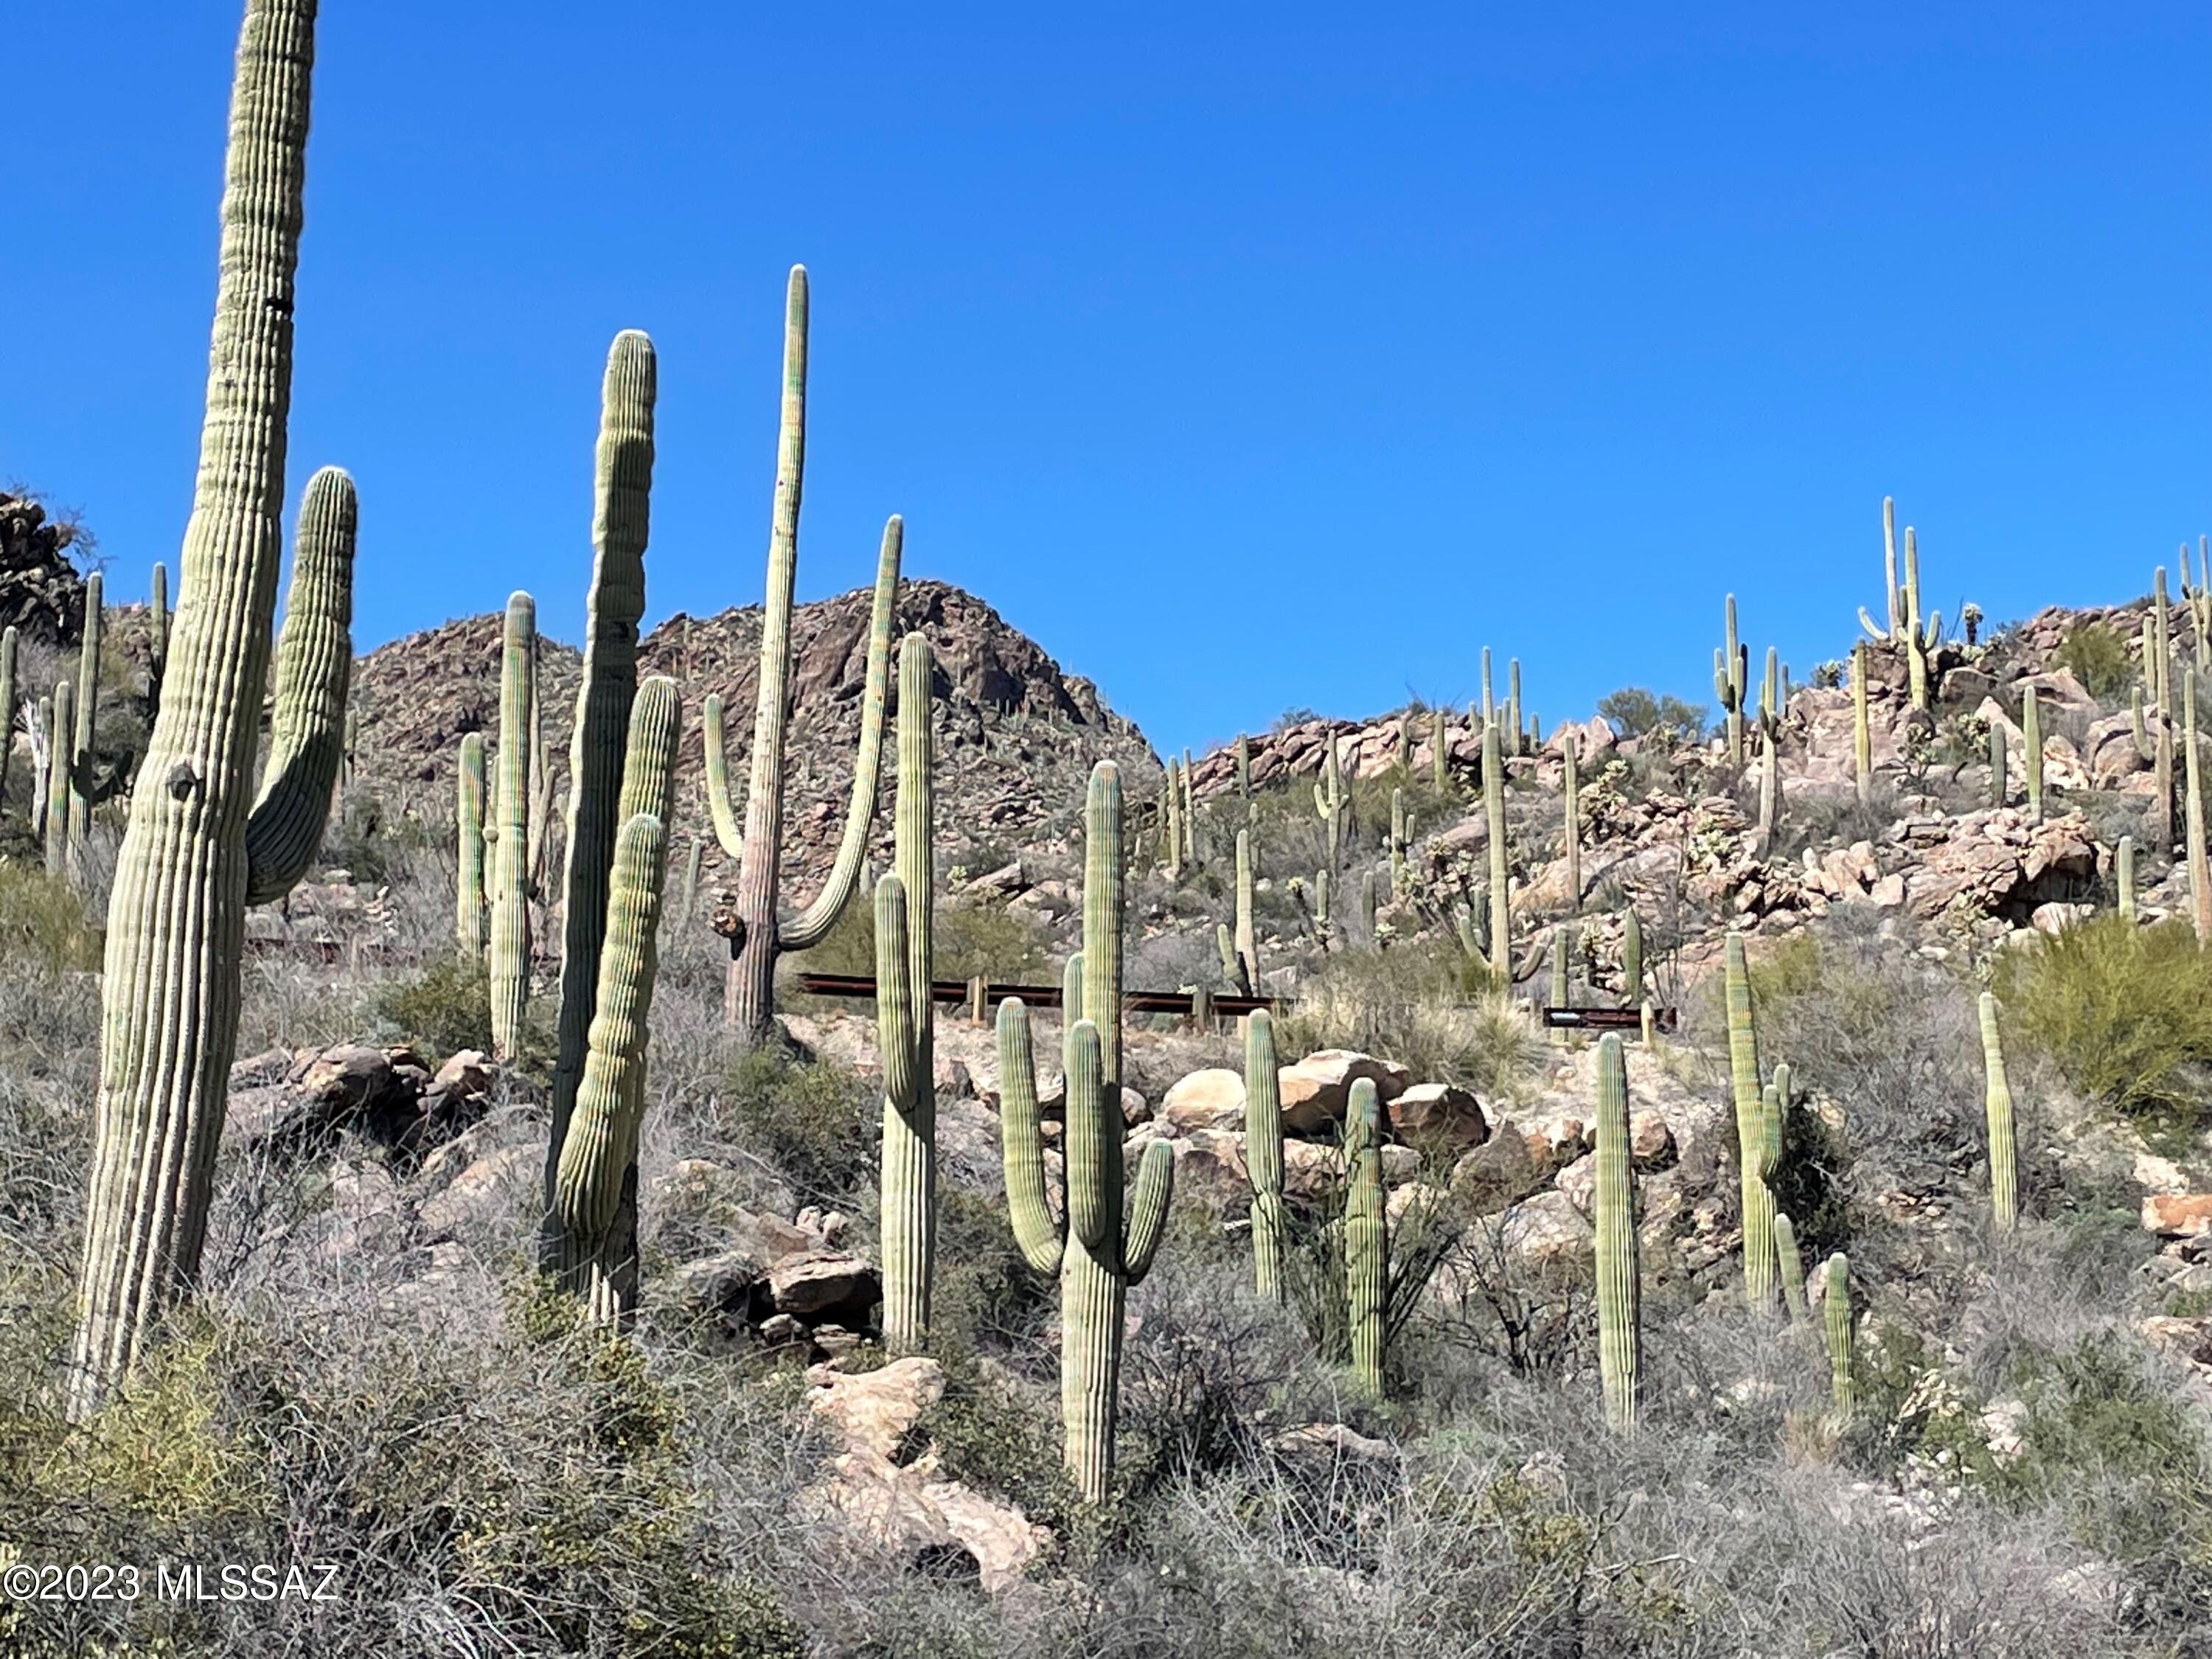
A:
(1246, 357)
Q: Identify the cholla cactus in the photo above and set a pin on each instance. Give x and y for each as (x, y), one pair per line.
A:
(1755, 1139)
(469, 848)
(1102, 1250)
(1619, 1335)
(2004, 1155)
(1263, 1153)
(1792, 1267)
(1836, 1315)
(509, 834)
(904, 1022)
(188, 863)
(1366, 1238)
(758, 932)
(1493, 807)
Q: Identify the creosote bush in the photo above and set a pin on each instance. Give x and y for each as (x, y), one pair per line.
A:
(814, 1121)
(2097, 657)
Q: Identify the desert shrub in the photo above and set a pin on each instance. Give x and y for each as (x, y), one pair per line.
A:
(820, 1125)
(1423, 1235)
(2124, 1012)
(1424, 1005)
(2096, 656)
(970, 937)
(43, 922)
(986, 1296)
(1634, 711)
(999, 1439)
(444, 1006)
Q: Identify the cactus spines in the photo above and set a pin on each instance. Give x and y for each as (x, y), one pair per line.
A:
(8, 646)
(1493, 806)
(1836, 1317)
(1573, 809)
(177, 920)
(1792, 1267)
(1102, 1248)
(1246, 956)
(1366, 1237)
(2124, 864)
(1619, 1327)
(60, 847)
(594, 1196)
(311, 676)
(1632, 959)
(1263, 1153)
(2004, 1153)
(86, 710)
(905, 963)
(1329, 801)
(2031, 737)
(1753, 1163)
(469, 848)
(759, 936)
(1862, 732)
(2200, 873)
(509, 967)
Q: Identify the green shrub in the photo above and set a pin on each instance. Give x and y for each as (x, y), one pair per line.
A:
(969, 938)
(43, 919)
(820, 1125)
(443, 1007)
(2096, 656)
(998, 1440)
(1634, 711)
(2124, 1012)
(1427, 1005)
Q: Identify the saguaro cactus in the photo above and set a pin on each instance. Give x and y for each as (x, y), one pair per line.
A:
(2200, 874)
(1244, 774)
(1905, 630)
(1397, 849)
(2031, 739)
(1632, 959)
(176, 923)
(61, 843)
(1836, 1315)
(1862, 732)
(1102, 1250)
(1513, 701)
(2004, 1153)
(86, 710)
(1752, 1142)
(1619, 1337)
(1731, 672)
(7, 647)
(1171, 824)
(1329, 801)
(1572, 809)
(2124, 864)
(760, 934)
(1263, 1153)
(469, 848)
(905, 962)
(1366, 1238)
(157, 622)
(1247, 951)
(1997, 789)
(1439, 750)
(1493, 807)
(509, 968)
(1561, 986)
(1792, 1267)
(1190, 847)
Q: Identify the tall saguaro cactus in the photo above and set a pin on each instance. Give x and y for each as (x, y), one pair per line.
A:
(1619, 1337)
(2004, 1147)
(469, 848)
(1632, 959)
(2124, 867)
(1754, 1162)
(1862, 730)
(1101, 1249)
(157, 622)
(1366, 1238)
(2030, 737)
(176, 923)
(761, 934)
(86, 710)
(8, 649)
(60, 843)
(1246, 950)
(1263, 1153)
(1329, 801)
(1397, 847)
(1731, 671)
(1493, 807)
(1571, 784)
(509, 967)
(1836, 1317)
(904, 1021)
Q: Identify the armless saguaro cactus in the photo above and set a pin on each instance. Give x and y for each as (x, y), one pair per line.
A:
(1571, 784)
(469, 848)
(1247, 951)
(86, 709)
(1439, 750)
(1366, 1238)
(1244, 774)
(905, 1023)
(8, 648)
(2200, 873)
(1751, 1128)
(1397, 843)
(600, 745)
(2031, 742)
(1631, 959)
(590, 1230)
(761, 934)
(176, 923)
(509, 967)
(61, 847)
(2004, 1146)
(2123, 869)
(1862, 730)
(1102, 1250)
(1836, 1317)
(1493, 807)
(1513, 702)
(1619, 1335)
(1263, 1153)
(1997, 786)
(1792, 1267)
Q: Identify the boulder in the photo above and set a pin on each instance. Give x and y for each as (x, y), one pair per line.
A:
(2177, 1215)
(1438, 1113)
(1548, 1230)
(1316, 1091)
(1209, 1099)
(476, 1195)
(817, 1283)
(1498, 1172)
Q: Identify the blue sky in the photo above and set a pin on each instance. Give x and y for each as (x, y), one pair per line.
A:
(1247, 357)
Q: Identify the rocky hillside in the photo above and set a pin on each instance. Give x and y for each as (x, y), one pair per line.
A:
(1015, 737)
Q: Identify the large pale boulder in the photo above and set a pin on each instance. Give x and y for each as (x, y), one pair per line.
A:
(1209, 1099)
(1316, 1091)
(1438, 1113)
(2177, 1215)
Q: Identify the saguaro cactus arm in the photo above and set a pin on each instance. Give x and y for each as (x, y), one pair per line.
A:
(1022, 1142)
(1149, 1201)
(314, 673)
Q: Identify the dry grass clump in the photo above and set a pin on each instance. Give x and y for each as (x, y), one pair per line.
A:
(1426, 1006)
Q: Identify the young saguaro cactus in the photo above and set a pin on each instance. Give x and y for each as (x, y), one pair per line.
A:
(1247, 950)
(1620, 1336)
(1397, 847)
(1329, 800)
(2004, 1146)
(760, 934)
(1632, 959)
(1572, 808)
(1263, 1153)
(1836, 1317)
(1754, 1165)
(1366, 1238)
(469, 848)
(186, 868)
(905, 962)
(2031, 740)
(60, 844)
(1101, 1250)
(7, 648)
(1439, 748)
(509, 966)
(2124, 867)
(85, 710)
(1997, 787)
(1862, 730)
(1792, 1267)
(2200, 873)
(1493, 807)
